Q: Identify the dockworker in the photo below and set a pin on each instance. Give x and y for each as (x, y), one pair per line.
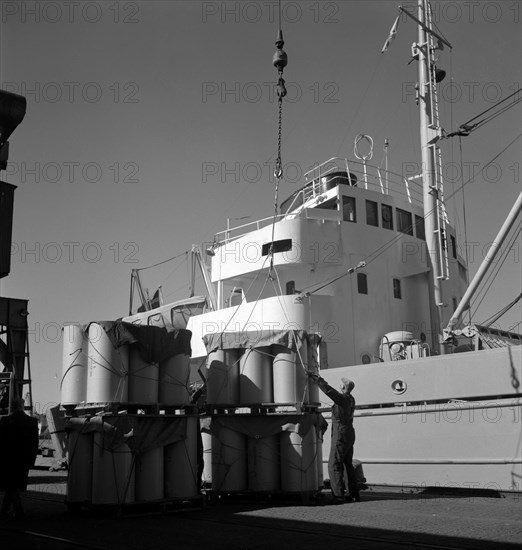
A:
(19, 447)
(197, 392)
(343, 439)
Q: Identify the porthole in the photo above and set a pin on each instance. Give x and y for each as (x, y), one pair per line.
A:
(398, 386)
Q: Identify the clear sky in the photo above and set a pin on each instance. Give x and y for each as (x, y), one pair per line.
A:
(149, 123)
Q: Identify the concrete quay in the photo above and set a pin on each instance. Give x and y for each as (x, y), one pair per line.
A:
(385, 518)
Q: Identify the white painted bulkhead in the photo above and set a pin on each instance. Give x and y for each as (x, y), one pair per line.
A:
(319, 245)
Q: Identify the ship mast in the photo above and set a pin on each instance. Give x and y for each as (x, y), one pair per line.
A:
(430, 133)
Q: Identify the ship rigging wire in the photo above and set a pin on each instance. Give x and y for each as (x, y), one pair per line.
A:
(436, 26)
(470, 126)
(493, 274)
(464, 218)
(495, 317)
(164, 261)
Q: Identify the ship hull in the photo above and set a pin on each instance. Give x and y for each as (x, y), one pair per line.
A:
(455, 424)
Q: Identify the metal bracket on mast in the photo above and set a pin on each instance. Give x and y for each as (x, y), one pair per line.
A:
(426, 28)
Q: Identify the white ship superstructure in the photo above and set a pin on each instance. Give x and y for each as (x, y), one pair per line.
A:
(349, 262)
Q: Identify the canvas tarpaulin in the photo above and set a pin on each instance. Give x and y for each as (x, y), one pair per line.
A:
(141, 433)
(291, 339)
(260, 426)
(154, 343)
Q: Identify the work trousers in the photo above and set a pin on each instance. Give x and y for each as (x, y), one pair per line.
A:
(341, 457)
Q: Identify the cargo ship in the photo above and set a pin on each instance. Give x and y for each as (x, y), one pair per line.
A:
(358, 274)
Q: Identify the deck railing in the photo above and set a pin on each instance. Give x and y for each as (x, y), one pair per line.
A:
(235, 232)
(367, 176)
(356, 173)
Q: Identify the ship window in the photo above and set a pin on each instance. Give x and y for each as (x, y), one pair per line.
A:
(179, 315)
(455, 303)
(156, 320)
(463, 274)
(284, 245)
(404, 223)
(419, 228)
(292, 202)
(387, 216)
(236, 296)
(397, 291)
(349, 209)
(290, 287)
(362, 283)
(453, 246)
(372, 216)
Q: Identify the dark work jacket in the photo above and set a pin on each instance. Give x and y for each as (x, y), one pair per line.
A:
(342, 413)
(18, 449)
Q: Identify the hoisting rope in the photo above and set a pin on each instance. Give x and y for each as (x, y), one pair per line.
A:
(279, 60)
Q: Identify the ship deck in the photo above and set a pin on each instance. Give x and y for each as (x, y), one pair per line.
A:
(385, 518)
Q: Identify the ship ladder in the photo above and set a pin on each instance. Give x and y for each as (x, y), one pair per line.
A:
(441, 215)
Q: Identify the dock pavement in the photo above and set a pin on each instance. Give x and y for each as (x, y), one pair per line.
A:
(386, 517)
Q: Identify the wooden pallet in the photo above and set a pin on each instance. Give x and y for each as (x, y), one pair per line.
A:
(92, 409)
(261, 408)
